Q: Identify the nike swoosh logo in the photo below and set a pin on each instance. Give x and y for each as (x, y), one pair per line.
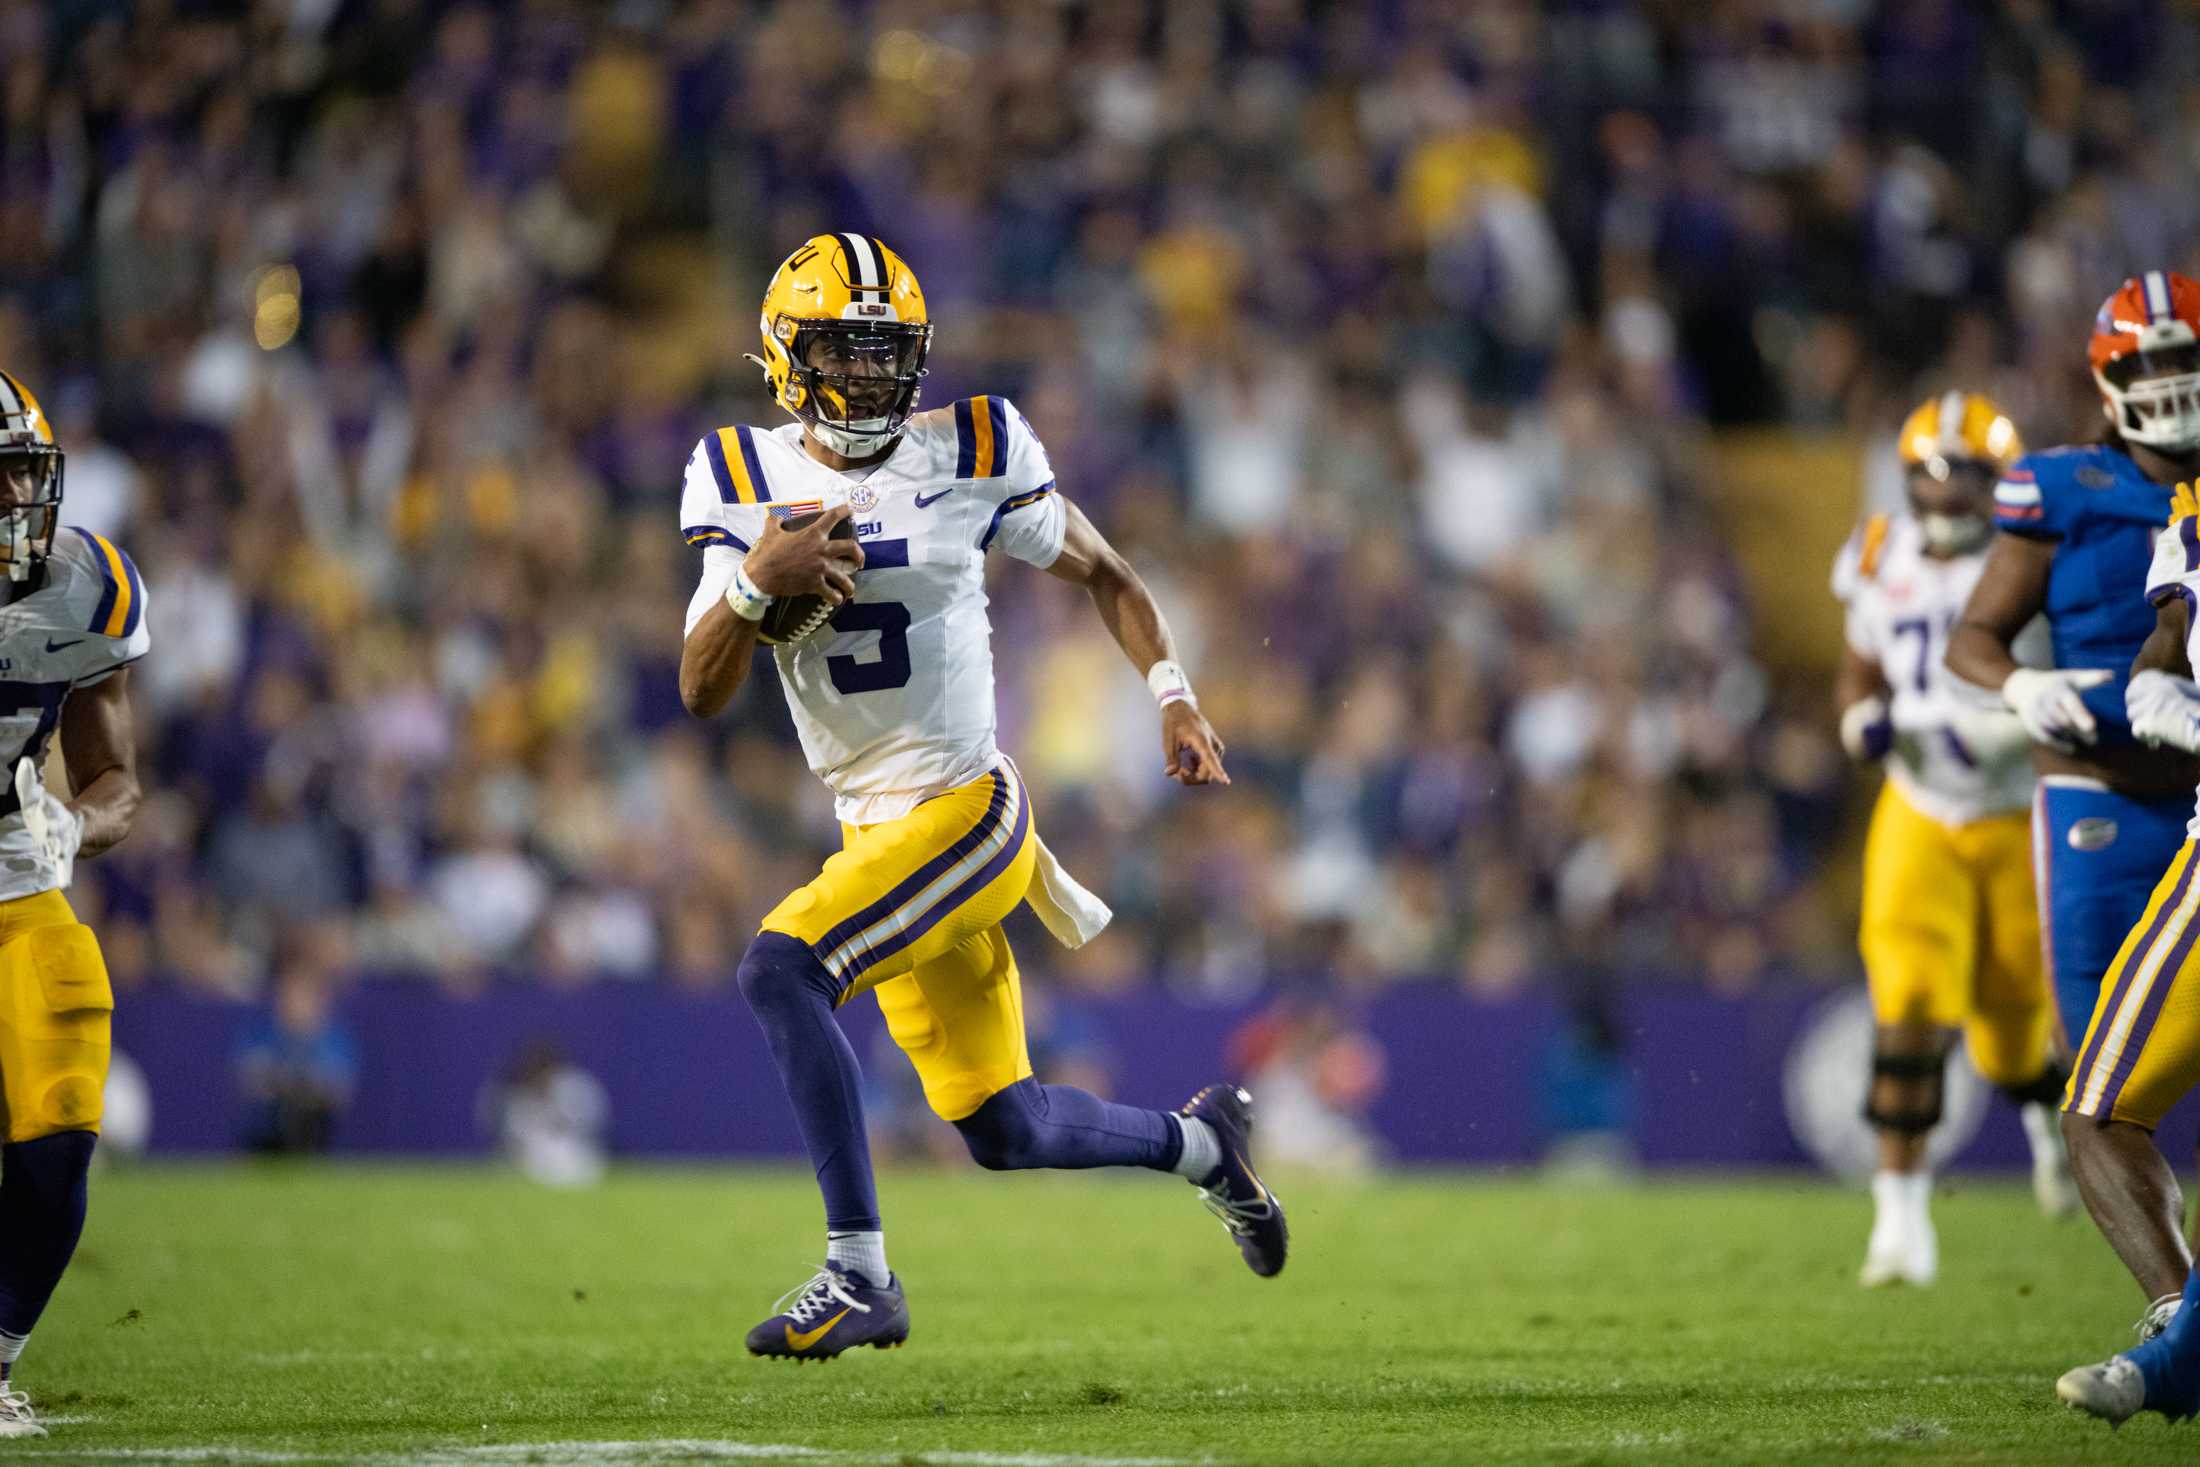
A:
(926, 500)
(805, 1340)
(53, 646)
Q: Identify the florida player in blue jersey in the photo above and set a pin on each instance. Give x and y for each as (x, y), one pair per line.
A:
(2077, 536)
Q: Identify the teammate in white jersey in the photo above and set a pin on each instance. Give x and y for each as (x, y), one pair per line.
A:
(1950, 933)
(893, 699)
(2141, 1053)
(72, 620)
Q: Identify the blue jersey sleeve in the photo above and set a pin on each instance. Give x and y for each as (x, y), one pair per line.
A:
(2025, 501)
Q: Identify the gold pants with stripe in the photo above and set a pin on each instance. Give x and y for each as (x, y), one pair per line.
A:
(56, 1012)
(2142, 1049)
(912, 909)
(1951, 934)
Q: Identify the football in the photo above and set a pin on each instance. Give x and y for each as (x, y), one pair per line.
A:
(791, 618)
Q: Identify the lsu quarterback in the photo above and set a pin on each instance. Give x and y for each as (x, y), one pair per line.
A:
(2077, 532)
(1950, 933)
(876, 521)
(74, 619)
(2142, 1053)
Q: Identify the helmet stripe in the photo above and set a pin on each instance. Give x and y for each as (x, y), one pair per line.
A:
(862, 263)
(11, 396)
(2157, 293)
(1951, 424)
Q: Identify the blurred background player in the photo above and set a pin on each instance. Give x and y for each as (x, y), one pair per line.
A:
(2077, 531)
(893, 700)
(1950, 930)
(2142, 1053)
(76, 620)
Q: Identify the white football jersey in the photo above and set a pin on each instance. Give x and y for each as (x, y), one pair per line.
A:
(893, 698)
(1901, 604)
(2175, 571)
(87, 620)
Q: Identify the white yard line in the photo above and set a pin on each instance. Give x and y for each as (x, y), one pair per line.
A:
(606, 1454)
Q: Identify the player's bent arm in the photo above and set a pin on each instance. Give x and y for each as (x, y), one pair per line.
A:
(714, 660)
(1860, 692)
(1191, 749)
(2164, 648)
(2011, 591)
(2163, 703)
(99, 748)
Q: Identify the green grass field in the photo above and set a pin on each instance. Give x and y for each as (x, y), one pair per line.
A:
(1064, 1321)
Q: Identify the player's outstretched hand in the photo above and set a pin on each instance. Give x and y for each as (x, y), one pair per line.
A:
(806, 562)
(1191, 746)
(2051, 701)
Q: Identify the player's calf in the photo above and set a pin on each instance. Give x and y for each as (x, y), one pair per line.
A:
(2037, 1100)
(1903, 1105)
(1030, 1125)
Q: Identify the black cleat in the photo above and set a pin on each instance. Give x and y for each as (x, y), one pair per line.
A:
(1233, 1192)
(836, 1310)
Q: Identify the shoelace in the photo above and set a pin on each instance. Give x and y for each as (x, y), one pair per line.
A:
(14, 1403)
(821, 1293)
(1239, 1217)
(2157, 1317)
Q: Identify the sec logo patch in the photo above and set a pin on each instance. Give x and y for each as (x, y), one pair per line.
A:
(863, 499)
(2094, 833)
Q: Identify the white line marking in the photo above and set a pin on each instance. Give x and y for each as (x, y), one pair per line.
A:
(555, 1454)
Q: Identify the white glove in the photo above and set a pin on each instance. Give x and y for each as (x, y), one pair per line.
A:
(1988, 734)
(2164, 710)
(2050, 705)
(57, 829)
(1866, 733)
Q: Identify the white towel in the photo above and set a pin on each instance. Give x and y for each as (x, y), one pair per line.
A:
(1073, 914)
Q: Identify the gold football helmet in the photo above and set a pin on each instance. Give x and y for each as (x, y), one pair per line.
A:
(1953, 448)
(845, 338)
(1957, 428)
(30, 480)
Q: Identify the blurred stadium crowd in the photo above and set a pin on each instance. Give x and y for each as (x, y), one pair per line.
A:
(1389, 339)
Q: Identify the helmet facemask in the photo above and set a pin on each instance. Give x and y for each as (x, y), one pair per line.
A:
(854, 383)
(1953, 500)
(2153, 394)
(30, 505)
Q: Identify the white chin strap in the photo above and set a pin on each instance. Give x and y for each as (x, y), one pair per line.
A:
(17, 533)
(859, 439)
(2160, 412)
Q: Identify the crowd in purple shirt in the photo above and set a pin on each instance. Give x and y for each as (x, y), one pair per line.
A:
(1390, 340)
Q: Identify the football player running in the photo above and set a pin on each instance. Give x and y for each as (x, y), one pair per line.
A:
(2142, 1054)
(2077, 537)
(1950, 933)
(74, 621)
(893, 700)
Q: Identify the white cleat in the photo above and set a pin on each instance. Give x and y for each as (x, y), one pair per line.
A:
(2112, 1390)
(2052, 1186)
(2157, 1317)
(16, 1417)
(1901, 1254)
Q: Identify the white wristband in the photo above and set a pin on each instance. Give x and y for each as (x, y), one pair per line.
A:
(1168, 684)
(746, 601)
